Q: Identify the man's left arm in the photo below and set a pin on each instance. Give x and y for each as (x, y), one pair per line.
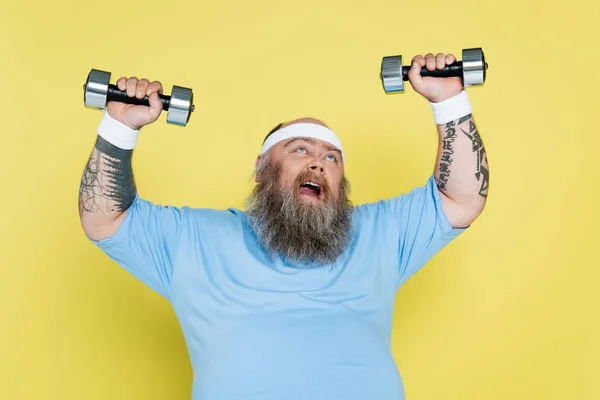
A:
(461, 171)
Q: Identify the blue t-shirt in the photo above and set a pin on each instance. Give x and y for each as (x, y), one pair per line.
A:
(257, 328)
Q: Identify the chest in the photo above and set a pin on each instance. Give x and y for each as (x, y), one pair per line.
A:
(235, 278)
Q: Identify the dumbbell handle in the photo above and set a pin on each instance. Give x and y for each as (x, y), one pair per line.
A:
(454, 69)
(116, 94)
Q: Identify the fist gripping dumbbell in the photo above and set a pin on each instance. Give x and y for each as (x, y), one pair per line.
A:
(98, 91)
(472, 69)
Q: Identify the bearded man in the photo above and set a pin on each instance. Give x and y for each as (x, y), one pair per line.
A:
(293, 298)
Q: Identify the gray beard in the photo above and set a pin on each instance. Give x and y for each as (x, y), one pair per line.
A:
(301, 233)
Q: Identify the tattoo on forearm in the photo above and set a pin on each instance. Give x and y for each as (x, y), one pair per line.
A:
(90, 189)
(446, 158)
(107, 183)
(481, 174)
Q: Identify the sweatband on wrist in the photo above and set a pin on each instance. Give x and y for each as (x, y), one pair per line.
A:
(117, 133)
(452, 108)
(303, 130)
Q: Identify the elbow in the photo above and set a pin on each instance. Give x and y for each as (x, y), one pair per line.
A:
(468, 212)
(96, 233)
(463, 213)
(97, 230)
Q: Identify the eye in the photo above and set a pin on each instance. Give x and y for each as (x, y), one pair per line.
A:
(331, 157)
(301, 149)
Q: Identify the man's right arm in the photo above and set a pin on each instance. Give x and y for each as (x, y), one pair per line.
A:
(107, 188)
(142, 237)
(106, 191)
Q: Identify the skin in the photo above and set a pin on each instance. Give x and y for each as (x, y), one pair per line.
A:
(461, 170)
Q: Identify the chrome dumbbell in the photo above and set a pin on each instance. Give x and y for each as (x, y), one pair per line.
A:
(98, 91)
(472, 69)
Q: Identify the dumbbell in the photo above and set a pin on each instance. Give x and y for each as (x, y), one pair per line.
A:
(472, 69)
(98, 91)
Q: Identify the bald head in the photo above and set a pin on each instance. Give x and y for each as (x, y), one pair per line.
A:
(306, 120)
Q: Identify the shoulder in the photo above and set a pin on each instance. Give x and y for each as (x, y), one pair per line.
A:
(215, 214)
(425, 192)
(413, 204)
(186, 215)
(370, 210)
(217, 219)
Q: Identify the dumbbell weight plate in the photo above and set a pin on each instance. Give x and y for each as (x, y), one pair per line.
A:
(181, 106)
(96, 89)
(391, 74)
(474, 67)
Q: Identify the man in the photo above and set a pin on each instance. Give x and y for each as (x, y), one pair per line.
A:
(292, 299)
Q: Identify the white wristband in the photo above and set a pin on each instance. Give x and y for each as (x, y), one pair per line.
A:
(452, 108)
(117, 133)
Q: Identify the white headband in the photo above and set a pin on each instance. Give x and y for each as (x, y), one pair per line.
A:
(303, 129)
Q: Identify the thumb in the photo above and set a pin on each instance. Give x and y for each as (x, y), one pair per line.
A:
(414, 76)
(156, 106)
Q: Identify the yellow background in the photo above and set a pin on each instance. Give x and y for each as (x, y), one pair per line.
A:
(507, 311)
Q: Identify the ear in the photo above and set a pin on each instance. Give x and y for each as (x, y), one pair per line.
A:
(255, 166)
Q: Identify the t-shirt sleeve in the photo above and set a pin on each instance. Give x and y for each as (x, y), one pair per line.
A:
(423, 227)
(146, 243)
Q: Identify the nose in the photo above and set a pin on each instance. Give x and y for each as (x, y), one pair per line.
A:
(316, 167)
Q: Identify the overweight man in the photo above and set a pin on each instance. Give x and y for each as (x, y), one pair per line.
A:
(293, 297)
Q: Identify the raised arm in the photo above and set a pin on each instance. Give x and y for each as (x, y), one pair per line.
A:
(107, 186)
(107, 189)
(461, 170)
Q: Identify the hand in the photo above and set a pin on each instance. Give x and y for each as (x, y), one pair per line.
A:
(434, 89)
(136, 116)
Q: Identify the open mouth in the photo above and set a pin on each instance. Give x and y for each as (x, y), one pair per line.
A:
(310, 189)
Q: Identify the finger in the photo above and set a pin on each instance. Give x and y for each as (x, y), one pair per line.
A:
(414, 74)
(418, 59)
(450, 59)
(131, 84)
(430, 61)
(415, 67)
(122, 83)
(440, 61)
(155, 86)
(142, 87)
(156, 105)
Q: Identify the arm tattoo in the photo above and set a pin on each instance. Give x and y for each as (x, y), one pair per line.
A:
(447, 152)
(482, 174)
(107, 183)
